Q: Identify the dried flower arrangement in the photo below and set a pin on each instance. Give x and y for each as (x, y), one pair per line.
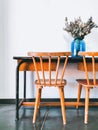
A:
(79, 29)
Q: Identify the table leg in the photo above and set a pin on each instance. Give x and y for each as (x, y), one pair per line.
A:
(17, 92)
(17, 88)
(24, 85)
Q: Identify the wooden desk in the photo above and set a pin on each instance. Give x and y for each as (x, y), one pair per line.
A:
(25, 64)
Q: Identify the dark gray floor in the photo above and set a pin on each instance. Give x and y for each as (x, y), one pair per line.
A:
(49, 118)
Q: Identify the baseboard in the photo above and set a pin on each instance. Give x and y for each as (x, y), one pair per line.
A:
(13, 101)
(7, 101)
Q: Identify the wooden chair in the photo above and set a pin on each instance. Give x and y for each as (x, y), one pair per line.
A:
(49, 79)
(89, 82)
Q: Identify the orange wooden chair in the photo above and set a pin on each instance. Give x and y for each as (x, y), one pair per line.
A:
(49, 79)
(89, 82)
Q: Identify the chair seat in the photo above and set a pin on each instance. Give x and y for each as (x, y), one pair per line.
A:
(53, 83)
(84, 82)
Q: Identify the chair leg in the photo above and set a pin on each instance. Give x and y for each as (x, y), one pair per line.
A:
(86, 105)
(39, 97)
(79, 95)
(37, 102)
(61, 90)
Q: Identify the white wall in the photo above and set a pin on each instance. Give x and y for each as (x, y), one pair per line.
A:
(37, 25)
(1, 49)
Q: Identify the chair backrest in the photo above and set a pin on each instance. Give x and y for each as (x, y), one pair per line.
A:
(92, 74)
(40, 58)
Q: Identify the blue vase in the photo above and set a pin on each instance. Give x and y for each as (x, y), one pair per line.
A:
(76, 46)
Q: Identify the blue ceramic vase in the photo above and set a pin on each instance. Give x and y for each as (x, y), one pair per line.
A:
(76, 46)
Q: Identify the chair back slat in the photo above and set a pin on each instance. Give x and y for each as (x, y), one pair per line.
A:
(63, 70)
(86, 71)
(49, 69)
(94, 71)
(50, 76)
(42, 69)
(92, 75)
(36, 69)
(57, 69)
